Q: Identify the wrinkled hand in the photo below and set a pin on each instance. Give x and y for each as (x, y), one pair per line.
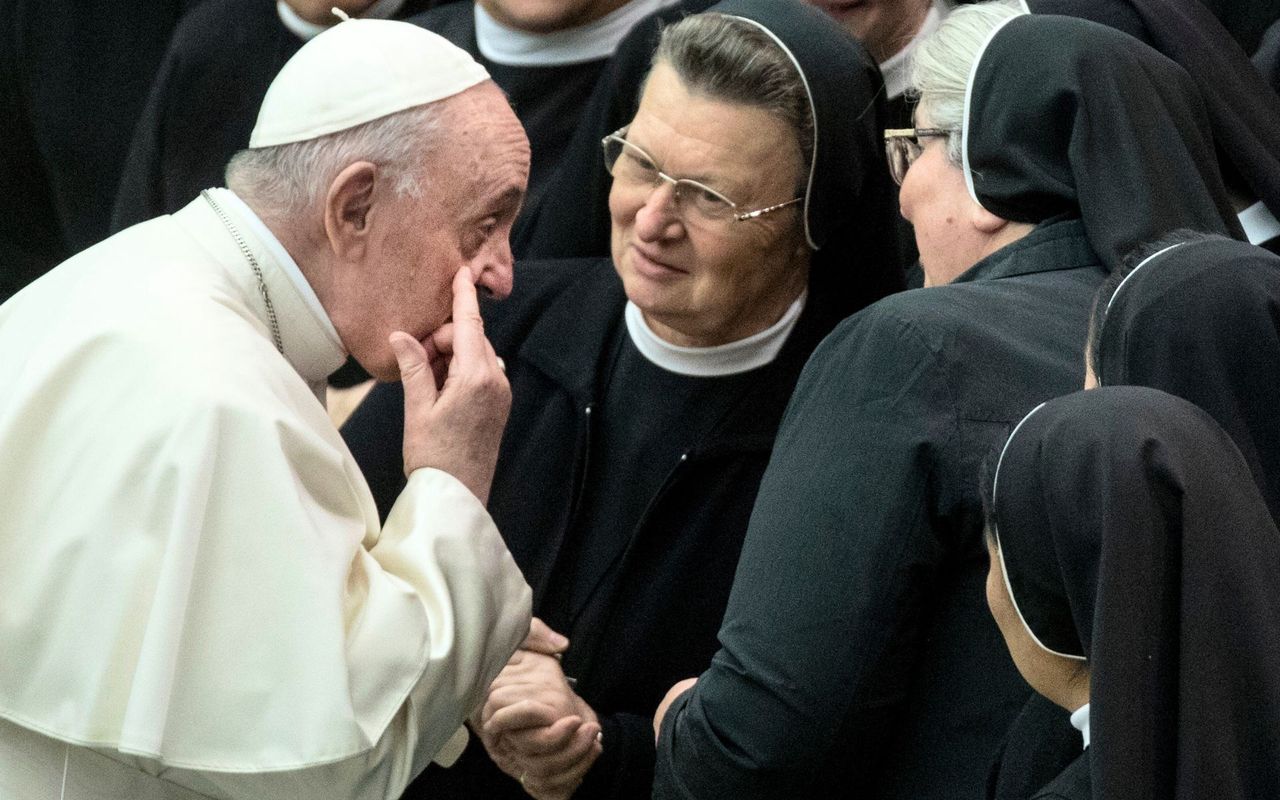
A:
(456, 397)
(537, 729)
(672, 693)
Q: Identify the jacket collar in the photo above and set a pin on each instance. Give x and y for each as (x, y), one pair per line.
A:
(1056, 244)
(310, 345)
(575, 341)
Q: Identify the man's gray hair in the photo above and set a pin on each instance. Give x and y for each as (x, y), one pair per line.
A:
(290, 179)
(942, 63)
(732, 60)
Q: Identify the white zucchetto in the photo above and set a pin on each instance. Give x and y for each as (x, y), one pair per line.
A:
(358, 71)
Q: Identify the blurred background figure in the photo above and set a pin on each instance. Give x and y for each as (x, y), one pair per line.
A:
(1132, 575)
(73, 80)
(205, 96)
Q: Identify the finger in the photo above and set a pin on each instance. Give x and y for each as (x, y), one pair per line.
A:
(534, 692)
(542, 639)
(439, 347)
(580, 740)
(521, 715)
(468, 328)
(542, 741)
(415, 370)
(549, 776)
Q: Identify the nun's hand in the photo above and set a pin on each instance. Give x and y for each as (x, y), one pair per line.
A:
(672, 693)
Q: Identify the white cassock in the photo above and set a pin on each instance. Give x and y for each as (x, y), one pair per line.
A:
(196, 598)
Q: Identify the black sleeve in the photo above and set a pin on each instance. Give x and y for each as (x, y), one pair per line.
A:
(624, 770)
(839, 548)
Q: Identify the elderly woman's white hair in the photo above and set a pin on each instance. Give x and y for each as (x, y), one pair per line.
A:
(942, 65)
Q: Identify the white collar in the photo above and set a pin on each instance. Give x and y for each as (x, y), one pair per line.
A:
(1259, 224)
(720, 360)
(314, 359)
(1080, 721)
(895, 68)
(590, 42)
(306, 31)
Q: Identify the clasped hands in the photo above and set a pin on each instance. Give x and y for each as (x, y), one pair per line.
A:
(533, 724)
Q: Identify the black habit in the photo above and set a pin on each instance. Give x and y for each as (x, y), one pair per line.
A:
(1132, 536)
(857, 654)
(1202, 321)
(1243, 110)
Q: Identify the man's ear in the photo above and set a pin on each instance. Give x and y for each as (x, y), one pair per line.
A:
(985, 221)
(347, 208)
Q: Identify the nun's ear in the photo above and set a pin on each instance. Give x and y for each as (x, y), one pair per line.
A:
(985, 221)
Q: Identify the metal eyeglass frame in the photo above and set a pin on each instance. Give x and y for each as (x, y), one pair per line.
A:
(902, 147)
(619, 136)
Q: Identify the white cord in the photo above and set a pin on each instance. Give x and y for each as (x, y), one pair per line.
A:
(66, 760)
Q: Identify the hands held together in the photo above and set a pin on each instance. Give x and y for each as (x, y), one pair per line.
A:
(534, 726)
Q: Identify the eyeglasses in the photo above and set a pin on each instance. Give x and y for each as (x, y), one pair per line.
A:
(902, 147)
(633, 168)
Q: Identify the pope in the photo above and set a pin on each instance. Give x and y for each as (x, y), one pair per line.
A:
(199, 601)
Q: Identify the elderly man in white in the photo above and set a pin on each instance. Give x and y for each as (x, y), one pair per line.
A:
(198, 600)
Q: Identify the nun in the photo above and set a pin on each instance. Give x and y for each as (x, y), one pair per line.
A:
(751, 211)
(1244, 109)
(856, 655)
(1200, 319)
(1132, 574)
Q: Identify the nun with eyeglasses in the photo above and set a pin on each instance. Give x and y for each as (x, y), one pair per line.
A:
(1132, 575)
(751, 210)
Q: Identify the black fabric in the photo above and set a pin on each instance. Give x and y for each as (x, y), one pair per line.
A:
(1202, 321)
(1243, 114)
(1128, 523)
(1040, 744)
(203, 104)
(1267, 57)
(858, 656)
(1071, 117)
(572, 218)
(639, 399)
(1245, 20)
(73, 79)
(1073, 783)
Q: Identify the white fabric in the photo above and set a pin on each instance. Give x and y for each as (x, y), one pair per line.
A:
(195, 582)
(306, 30)
(1080, 721)
(896, 69)
(358, 71)
(1259, 224)
(593, 41)
(708, 362)
(231, 202)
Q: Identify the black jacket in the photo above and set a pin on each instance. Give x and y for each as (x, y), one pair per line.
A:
(557, 334)
(858, 656)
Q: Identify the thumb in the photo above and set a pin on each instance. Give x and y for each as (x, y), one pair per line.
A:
(542, 639)
(415, 370)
